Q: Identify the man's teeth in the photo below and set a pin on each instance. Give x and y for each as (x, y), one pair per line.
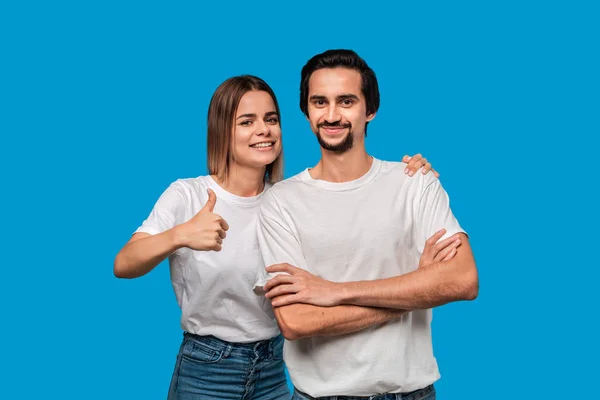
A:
(266, 144)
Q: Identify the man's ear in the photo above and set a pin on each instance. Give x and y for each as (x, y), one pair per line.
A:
(371, 116)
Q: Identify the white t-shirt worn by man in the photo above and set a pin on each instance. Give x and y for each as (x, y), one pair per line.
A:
(214, 289)
(372, 228)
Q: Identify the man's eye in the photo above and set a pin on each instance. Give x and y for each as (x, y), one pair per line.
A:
(347, 102)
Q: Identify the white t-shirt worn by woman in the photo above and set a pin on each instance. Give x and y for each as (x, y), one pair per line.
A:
(214, 289)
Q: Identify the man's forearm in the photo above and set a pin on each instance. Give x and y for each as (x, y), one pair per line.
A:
(298, 321)
(427, 287)
(417, 290)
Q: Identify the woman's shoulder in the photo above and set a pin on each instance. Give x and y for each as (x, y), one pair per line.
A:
(190, 187)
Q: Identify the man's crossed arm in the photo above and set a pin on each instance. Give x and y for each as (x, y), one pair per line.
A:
(306, 305)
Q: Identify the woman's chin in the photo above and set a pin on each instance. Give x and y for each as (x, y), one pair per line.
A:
(262, 160)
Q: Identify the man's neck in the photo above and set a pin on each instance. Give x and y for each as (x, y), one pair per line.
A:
(243, 181)
(345, 167)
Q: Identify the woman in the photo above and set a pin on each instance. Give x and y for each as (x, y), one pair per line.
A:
(206, 227)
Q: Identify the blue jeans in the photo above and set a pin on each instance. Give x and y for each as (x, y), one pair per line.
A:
(210, 368)
(427, 393)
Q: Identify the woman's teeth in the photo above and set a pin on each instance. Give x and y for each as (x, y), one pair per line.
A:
(266, 144)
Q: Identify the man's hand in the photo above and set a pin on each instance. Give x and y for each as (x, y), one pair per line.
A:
(299, 286)
(437, 252)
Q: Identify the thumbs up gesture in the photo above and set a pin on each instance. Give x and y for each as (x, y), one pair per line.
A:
(205, 231)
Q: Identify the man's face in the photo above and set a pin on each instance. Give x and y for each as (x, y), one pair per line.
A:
(337, 109)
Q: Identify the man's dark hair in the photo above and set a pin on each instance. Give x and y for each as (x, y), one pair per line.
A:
(341, 59)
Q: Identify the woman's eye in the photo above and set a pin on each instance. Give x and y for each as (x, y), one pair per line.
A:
(245, 123)
(273, 120)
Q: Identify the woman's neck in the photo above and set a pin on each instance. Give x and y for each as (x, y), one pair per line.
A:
(243, 181)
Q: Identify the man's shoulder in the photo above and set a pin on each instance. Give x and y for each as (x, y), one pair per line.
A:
(396, 170)
(393, 167)
(288, 185)
(283, 193)
(391, 164)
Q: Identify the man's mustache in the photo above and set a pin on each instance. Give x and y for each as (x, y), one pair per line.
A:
(334, 125)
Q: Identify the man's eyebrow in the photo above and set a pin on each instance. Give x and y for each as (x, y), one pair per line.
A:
(338, 98)
(347, 96)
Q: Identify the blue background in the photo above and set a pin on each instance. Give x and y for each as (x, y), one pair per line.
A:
(103, 104)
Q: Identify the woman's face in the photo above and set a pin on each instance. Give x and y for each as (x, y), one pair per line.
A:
(256, 132)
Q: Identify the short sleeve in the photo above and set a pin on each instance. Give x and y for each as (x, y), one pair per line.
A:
(434, 213)
(277, 242)
(168, 212)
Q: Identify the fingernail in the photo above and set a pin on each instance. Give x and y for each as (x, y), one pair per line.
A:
(406, 170)
(411, 173)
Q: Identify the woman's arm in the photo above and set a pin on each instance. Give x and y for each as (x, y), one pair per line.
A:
(205, 231)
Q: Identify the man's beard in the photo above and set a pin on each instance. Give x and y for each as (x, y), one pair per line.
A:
(338, 148)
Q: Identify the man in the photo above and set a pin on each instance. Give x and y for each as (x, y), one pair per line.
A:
(351, 274)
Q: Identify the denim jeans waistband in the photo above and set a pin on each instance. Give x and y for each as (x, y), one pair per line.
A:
(227, 347)
(388, 396)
